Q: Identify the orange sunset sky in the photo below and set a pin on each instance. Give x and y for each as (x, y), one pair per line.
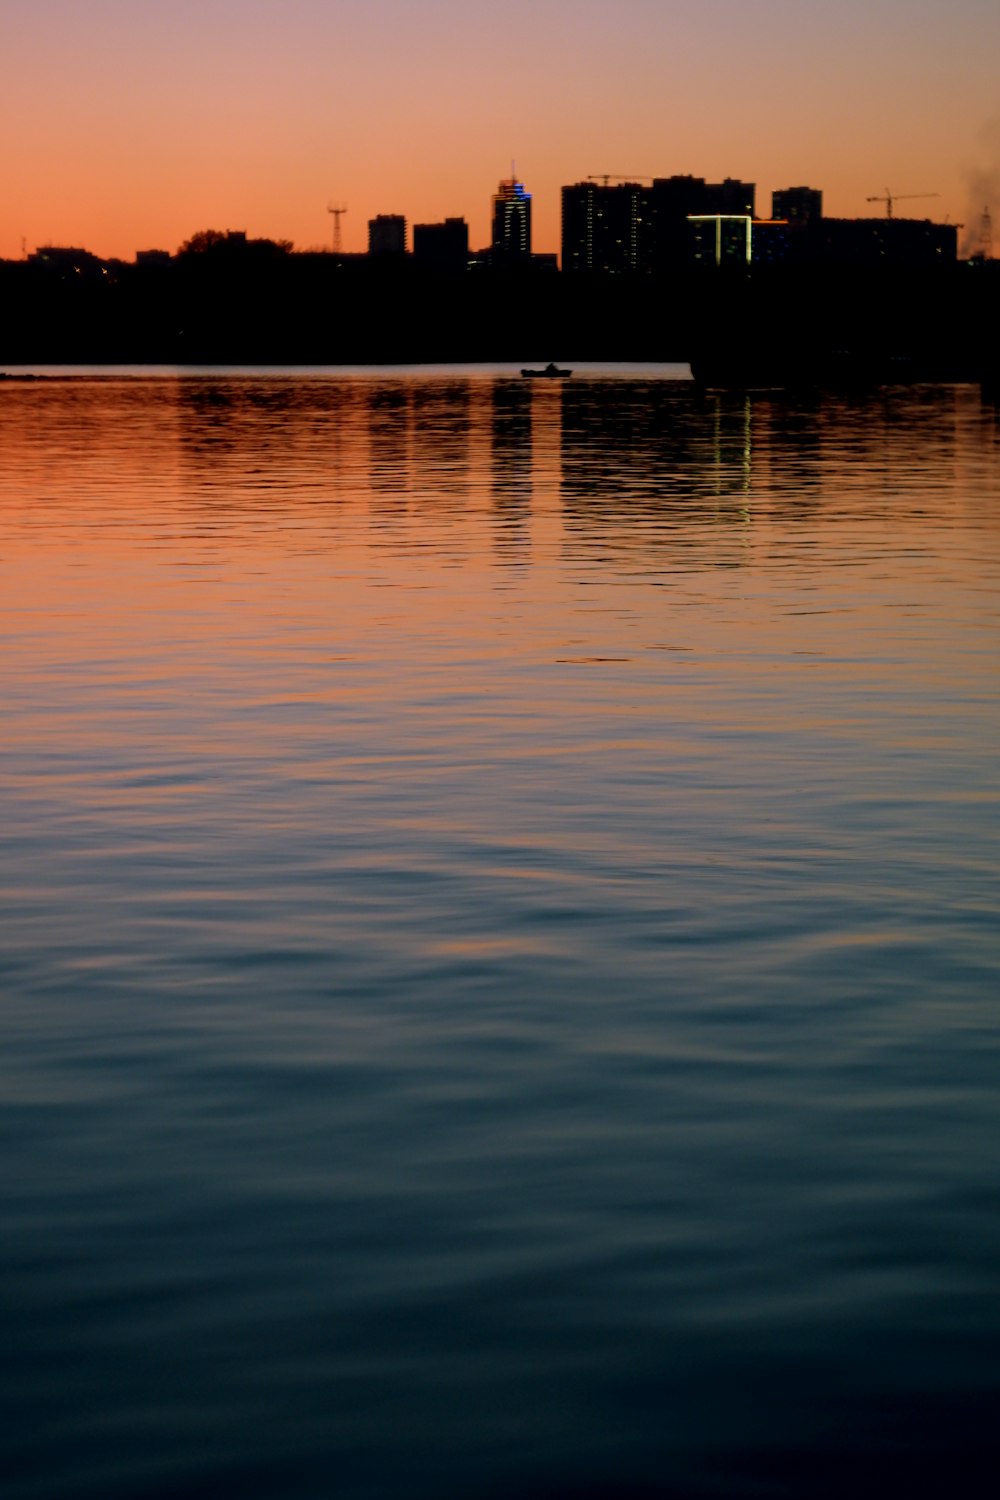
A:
(128, 124)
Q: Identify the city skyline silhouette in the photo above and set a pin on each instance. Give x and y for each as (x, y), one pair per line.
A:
(130, 128)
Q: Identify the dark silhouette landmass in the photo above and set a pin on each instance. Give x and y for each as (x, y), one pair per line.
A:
(226, 299)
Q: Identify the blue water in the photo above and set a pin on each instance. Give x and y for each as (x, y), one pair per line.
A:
(499, 949)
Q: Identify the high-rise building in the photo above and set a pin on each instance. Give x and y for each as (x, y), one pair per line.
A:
(442, 247)
(666, 244)
(731, 196)
(602, 227)
(387, 235)
(511, 237)
(799, 205)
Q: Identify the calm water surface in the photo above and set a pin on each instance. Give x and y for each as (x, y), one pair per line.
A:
(499, 951)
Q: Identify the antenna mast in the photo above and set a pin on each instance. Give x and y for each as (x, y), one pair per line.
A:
(337, 211)
(986, 234)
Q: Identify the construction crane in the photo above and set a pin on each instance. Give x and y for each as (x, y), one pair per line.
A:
(891, 198)
(607, 177)
(337, 210)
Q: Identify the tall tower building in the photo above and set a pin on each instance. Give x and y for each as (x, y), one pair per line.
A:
(511, 222)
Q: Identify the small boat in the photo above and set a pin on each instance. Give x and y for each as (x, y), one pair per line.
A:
(551, 372)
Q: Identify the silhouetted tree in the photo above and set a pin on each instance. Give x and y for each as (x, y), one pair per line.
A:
(202, 242)
(216, 242)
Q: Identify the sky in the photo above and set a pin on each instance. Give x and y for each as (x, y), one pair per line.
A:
(129, 124)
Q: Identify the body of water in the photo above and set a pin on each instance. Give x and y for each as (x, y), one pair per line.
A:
(499, 948)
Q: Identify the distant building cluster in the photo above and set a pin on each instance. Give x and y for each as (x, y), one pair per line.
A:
(619, 226)
(664, 225)
(615, 227)
(445, 246)
(673, 223)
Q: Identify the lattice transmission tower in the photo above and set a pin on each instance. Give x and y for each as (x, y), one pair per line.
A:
(337, 211)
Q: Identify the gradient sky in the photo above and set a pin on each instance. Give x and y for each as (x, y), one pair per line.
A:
(128, 124)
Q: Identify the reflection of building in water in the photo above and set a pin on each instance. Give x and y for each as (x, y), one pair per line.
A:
(989, 398)
(390, 430)
(774, 433)
(732, 445)
(511, 468)
(240, 437)
(650, 464)
(441, 416)
(851, 454)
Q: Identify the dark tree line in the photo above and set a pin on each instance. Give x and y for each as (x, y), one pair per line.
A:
(224, 298)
